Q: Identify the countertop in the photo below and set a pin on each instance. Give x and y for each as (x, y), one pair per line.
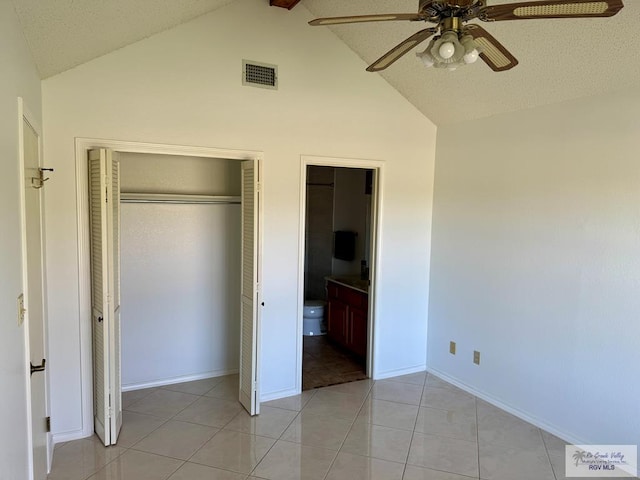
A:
(351, 281)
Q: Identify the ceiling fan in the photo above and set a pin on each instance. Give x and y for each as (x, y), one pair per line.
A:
(457, 43)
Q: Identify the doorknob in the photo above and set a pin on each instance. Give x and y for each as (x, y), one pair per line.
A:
(38, 368)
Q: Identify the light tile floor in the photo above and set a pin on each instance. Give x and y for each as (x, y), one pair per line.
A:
(414, 427)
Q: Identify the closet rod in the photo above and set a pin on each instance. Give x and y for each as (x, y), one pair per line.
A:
(179, 199)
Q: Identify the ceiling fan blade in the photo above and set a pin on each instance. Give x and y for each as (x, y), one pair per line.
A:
(493, 52)
(412, 17)
(399, 50)
(551, 9)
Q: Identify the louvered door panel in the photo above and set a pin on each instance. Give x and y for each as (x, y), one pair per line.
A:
(113, 169)
(99, 281)
(104, 192)
(249, 289)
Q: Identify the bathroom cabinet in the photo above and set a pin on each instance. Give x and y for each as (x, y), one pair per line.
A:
(347, 317)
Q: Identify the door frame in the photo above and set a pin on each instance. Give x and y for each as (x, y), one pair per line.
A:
(376, 249)
(24, 114)
(82, 146)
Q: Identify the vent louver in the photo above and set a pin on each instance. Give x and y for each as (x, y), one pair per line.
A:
(260, 75)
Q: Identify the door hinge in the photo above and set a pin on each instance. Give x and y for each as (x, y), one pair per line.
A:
(47, 423)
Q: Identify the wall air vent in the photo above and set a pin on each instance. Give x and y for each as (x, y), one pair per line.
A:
(261, 75)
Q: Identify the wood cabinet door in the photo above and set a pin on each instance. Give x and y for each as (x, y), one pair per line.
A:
(358, 331)
(337, 321)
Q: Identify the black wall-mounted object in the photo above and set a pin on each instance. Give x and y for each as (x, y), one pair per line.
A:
(344, 245)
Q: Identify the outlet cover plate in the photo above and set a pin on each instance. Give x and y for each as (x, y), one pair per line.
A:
(476, 357)
(452, 348)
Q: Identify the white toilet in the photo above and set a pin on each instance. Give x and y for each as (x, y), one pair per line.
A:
(313, 318)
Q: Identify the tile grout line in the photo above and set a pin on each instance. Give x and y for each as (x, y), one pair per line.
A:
(167, 420)
(275, 440)
(373, 382)
(415, 423)
(172, 419)
(553, 471)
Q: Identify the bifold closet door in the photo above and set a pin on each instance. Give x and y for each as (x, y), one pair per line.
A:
(250, 287)
(104, 195)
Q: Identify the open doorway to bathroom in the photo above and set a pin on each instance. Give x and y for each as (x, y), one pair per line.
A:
(338, 233)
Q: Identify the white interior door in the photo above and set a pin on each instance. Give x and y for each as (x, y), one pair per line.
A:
(34, 297)
(250, 287)
(104, 194)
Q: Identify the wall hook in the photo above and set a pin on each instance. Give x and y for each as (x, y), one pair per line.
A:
(38, 182)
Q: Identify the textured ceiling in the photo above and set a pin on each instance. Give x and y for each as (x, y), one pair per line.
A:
(66, 33)
(559, 59)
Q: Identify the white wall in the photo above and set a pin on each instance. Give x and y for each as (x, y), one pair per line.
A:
(180, 291)
(180, 271)
(152, 173)
(350, 214)
(183, 86)
(318, 231)
(536, 264)
(19, 78)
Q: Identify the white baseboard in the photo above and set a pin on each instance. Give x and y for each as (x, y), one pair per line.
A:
(398, 372)
(173, 380)
(496, 402)
(266, 397)
(69, 436)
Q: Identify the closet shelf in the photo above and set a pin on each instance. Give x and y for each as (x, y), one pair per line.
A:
(178, 198)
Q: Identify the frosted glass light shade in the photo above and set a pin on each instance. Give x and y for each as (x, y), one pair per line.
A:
(427, 61)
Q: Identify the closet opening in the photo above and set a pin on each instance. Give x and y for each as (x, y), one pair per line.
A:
(174, 261)
(180, 239)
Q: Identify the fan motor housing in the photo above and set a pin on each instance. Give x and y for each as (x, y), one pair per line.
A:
(436, 10)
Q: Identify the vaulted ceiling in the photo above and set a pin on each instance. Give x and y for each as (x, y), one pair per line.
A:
(559, 59)
(65, 33)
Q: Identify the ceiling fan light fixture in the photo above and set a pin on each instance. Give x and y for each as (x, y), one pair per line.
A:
(447, 49)
(471, 48)
(426, 57)
(458, 42)
(471, 57)
(450, 51)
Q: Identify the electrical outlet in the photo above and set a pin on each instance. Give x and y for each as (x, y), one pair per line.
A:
(452, 348)
(21, 309)
(476, 357)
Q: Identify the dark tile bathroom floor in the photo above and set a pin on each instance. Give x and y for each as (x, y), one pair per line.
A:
(324, 364)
